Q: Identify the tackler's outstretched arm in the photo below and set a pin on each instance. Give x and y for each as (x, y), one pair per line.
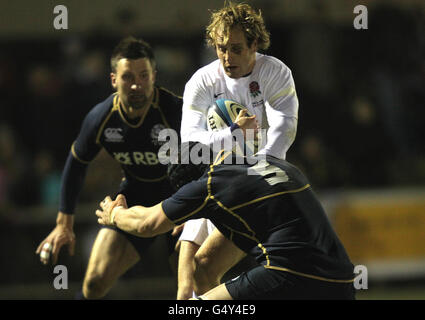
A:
(140, 221)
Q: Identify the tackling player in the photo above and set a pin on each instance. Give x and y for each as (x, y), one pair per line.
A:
(261, 83)
(267, 210)
(126, 125)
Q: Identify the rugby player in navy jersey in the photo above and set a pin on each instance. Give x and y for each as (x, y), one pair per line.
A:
(126, 125)
(265, 209)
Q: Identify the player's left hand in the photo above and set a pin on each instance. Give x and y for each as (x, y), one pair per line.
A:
(246, 122)
(106, 214)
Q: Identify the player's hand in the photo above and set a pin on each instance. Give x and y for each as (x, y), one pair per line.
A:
(61, 235)
(247, 123)
(106, 215)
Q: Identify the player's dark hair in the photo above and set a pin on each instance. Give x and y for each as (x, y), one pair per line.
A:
(180, 173)
(132, 48)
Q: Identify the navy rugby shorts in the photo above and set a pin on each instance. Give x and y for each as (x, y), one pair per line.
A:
(261, 283)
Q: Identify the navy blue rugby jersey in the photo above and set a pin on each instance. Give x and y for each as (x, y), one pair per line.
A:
(134, 145)
(269, 211)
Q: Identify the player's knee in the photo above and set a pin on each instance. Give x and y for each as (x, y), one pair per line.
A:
(94, 287)
(201, 263)
(204, 271)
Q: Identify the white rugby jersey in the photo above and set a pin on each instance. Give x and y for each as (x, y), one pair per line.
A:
(268, 92)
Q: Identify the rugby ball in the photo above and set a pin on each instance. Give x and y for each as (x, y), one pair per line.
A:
(222, 114)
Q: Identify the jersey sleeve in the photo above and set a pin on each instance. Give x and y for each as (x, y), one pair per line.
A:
(73, 177)
(196, 101)
(83, 151)
(281, 106)
(187, 203)
(85, 148)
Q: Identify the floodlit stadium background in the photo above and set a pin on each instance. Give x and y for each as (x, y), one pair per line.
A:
(359, 140)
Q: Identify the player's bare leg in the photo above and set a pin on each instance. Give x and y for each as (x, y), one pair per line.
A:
(186, 268)
(213, 259)
(111, 256)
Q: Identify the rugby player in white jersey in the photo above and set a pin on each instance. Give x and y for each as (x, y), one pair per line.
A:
(261, 83)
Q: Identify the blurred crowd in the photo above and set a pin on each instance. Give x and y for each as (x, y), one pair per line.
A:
(361, 95)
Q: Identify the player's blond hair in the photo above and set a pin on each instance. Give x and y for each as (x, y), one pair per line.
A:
(238, 15)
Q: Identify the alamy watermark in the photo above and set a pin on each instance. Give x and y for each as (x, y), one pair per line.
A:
(361, 278)
(244, 147)
(361, 20)
(60, 282)
(61, 19)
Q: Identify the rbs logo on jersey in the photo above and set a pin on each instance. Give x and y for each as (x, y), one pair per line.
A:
(146, 158)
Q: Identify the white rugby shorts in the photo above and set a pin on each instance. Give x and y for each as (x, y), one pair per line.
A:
(197, 230)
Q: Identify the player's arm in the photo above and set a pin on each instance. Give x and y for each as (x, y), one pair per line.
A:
(281, 107)
(140, 221)
(194, 127)
(72, 182)
(82, 152)
(196, 101)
